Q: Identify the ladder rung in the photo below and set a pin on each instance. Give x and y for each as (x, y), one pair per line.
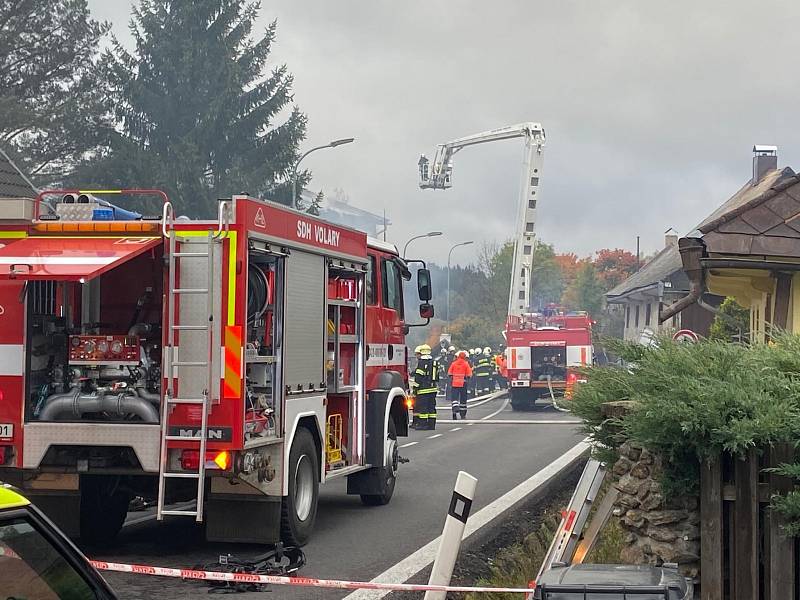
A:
(190, 327)
(190, 291)
(182, 475)
(186, 400)
(190, 254)
(180, 513)
(189, 364)
(182, 438)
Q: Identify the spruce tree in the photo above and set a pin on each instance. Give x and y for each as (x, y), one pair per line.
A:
(198, 111)
(52, 111)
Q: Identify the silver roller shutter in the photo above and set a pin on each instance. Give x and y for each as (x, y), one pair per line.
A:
(304, 323)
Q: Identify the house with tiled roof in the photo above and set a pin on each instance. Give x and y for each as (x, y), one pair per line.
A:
(749, 248)
(659, 283)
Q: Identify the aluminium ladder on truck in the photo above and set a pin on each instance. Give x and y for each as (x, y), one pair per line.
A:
(185, 249)
(565, 542)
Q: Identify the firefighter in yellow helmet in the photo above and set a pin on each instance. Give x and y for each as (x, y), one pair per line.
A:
(425, 387)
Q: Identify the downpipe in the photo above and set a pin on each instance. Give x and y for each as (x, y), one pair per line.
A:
(75, 404)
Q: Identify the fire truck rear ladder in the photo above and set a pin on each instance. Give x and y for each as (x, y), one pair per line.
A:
(173, 366)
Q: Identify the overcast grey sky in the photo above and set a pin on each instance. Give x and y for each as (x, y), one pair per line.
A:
(651, 108)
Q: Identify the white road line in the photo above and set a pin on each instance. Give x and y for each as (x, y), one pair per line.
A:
(512, 422)
(433, 437)
(409, 444)
(454, 428)
(414, 563)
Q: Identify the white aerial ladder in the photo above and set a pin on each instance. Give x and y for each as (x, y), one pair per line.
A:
(439, 177)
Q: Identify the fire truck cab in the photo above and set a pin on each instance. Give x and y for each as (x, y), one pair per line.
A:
(543, 354)
(231, 365)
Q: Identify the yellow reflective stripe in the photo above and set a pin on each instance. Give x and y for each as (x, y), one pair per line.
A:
(13, 234)
(11, 499)
(231, 235)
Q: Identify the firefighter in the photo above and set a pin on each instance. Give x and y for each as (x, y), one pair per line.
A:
(446, 358)
(474, 356)
(484, 369)
(502, 371)
(460, 374)
(426, 377)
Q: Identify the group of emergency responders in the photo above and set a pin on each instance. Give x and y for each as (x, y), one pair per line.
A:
(459, 375)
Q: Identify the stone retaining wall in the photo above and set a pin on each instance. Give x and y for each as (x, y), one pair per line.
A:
(657, 530)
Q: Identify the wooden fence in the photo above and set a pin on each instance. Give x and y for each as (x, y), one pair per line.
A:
(744, 554)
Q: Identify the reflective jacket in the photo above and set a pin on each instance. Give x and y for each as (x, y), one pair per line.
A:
(501, 365)
(426, 375)
(484, 368)
(459, 371)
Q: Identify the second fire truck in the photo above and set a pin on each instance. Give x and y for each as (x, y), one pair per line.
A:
(541, 348)
(224, 368)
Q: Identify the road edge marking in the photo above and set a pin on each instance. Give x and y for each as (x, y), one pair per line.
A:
(417, 561)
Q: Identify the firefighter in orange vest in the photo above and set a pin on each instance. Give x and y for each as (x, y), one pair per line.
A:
(460, 373)
(502, 370)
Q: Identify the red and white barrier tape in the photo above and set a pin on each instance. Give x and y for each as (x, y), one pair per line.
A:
(293, 581)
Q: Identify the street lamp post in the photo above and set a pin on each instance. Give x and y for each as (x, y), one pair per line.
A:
(449, 255)
(418, 237)
(333, 144)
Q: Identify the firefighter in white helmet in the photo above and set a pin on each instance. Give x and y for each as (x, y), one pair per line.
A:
(483, 371)
(426, 377)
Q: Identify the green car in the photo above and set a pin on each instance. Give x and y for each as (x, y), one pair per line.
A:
(37, 561)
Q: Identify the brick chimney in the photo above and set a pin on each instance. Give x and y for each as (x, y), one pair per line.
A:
(765, 158)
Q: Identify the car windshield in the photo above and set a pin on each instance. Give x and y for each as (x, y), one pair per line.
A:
(33, 569)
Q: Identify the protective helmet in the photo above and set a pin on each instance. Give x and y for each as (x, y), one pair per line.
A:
(463, 353)
(478, 350)
(425, 349)
(487, 351)
(451, 349)
(471, 351)
(418, 350)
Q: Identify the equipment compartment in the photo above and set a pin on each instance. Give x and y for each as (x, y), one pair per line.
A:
(92, 356)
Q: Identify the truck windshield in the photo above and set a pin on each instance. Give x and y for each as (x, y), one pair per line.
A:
(32, 568)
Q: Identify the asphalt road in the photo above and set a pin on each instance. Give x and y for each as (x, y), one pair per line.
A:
(355, 542)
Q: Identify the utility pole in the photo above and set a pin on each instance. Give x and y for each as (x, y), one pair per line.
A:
(638, 260)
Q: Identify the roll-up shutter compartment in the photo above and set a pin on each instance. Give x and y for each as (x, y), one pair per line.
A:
(304, 323)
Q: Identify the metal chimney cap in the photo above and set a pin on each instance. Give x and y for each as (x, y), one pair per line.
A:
(764, 150)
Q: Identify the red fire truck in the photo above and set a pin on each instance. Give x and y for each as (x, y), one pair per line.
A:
(543, 353)
(223, 368)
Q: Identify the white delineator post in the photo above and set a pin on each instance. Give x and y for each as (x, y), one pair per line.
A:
(453, 532)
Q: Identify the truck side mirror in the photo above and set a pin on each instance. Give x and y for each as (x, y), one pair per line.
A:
(424, 288)
(426, 310)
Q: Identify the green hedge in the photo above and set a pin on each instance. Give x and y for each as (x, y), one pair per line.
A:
(692, 401)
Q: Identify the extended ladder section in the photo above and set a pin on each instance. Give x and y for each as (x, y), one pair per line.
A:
(574, 518)
(188, 356)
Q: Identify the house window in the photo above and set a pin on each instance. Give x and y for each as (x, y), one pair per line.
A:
(628, 316)
(647, 314)
(636, 317)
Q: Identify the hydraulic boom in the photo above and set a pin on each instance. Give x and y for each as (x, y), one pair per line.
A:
(439, 177)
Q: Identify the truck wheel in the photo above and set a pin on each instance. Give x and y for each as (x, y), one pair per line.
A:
(104, 507)
(299, 508)
(522, 400)
(388, 473)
